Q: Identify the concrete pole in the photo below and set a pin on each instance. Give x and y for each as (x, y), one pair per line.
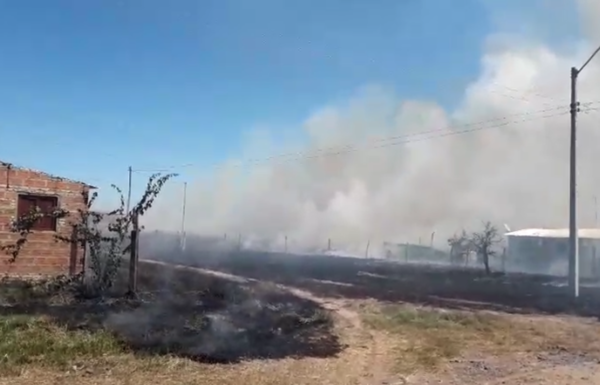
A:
(130, 172)
(573, 236)
(183, 208)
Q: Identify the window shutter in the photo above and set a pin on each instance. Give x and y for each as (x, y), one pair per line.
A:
(47, 206)
(25, 205)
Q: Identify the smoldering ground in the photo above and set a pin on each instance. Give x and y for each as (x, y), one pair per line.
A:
(225, 321)
(423, 284)
(193, 315)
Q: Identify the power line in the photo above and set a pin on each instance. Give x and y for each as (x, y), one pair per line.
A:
(405, 136)
(397, 140)
(403, 142)
(383, 139)
(531, 92)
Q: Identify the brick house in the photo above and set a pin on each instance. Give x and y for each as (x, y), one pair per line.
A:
(22, 190)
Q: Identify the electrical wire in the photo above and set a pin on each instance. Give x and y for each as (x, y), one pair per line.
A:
(408, 140)
(398, 140)
(531, 92)
(344, 148)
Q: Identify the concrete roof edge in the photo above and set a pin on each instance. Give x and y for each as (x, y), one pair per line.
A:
(49, 175)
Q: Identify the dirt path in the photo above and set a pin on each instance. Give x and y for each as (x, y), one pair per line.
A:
(373, 356)
(366, 360)
(563, 374)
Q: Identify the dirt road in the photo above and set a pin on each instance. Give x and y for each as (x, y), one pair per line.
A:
(367, 359)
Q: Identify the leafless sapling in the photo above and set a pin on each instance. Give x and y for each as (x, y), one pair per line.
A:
(485, 242)
(460, 248)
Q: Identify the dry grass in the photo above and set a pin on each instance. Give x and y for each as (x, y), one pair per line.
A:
(426, 338)
(288, 345)
(47, 336)
(36, 350)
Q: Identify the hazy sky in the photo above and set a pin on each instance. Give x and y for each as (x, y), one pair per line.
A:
(155, 83)
(152, 82)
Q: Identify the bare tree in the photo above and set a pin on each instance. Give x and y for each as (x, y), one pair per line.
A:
(460, 248)
(484, 244)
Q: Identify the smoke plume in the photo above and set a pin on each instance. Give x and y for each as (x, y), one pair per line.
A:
(511, 167)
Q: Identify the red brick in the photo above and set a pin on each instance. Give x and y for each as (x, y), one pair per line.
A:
(41, 255)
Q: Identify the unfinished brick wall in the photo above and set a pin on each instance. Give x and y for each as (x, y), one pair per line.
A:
(41, 255)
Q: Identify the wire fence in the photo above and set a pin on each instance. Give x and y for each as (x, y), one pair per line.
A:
(539, 256)
(231, 250)
(160, 245)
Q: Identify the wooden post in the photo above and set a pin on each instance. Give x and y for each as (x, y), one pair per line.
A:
(367, 250)
(329, 244)
(594, 261)
(87, 271)
(134, 255)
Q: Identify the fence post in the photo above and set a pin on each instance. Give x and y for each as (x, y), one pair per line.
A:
(285, 249)
(367, 250)
(329, 244)
(504, 260)
(406, 252)
(134, 255)
(86, 252)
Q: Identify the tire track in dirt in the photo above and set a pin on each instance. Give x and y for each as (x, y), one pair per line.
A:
(375, 368)
(571, 374)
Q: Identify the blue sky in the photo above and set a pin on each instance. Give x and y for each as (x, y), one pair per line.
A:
(88, 88)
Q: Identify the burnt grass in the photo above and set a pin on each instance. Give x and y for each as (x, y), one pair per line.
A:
(187, 314)
(430, 285)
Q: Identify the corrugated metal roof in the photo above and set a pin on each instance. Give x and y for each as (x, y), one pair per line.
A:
(555, 233)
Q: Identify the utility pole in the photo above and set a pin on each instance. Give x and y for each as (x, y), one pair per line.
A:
(573, 236)
(129, 189)
(573, 232)
(183, 216)
(594, 251)
(595, 211)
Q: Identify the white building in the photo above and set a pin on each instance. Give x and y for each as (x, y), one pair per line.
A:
(546, 251)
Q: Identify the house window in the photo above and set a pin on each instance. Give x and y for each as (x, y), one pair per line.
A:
(46, 204)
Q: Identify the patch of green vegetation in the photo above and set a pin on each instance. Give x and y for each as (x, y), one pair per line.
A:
(393, 318)
(426, 337)
(33, 340)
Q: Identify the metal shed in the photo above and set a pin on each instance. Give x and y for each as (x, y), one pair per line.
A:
(546, 251)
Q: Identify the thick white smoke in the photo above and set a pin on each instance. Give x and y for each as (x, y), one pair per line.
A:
(515, 174)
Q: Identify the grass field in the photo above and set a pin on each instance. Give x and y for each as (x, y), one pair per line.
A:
(192, 326)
